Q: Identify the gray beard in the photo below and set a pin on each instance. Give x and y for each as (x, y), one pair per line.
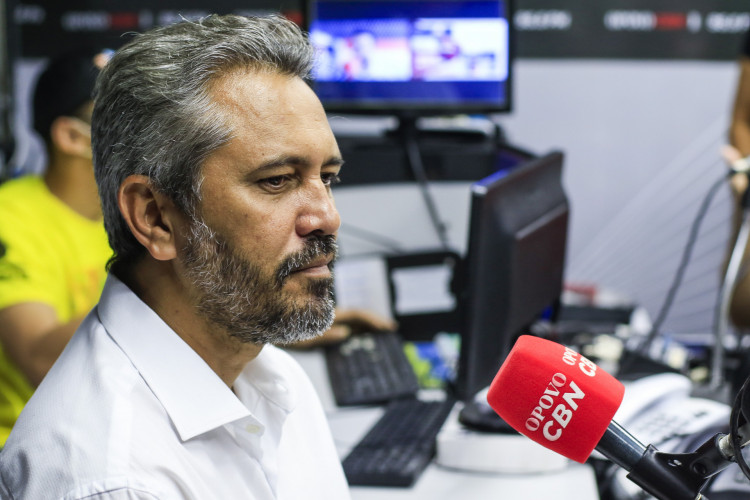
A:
(234, 294)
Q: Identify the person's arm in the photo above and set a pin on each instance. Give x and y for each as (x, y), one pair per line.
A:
(739, 130)
(33, 337)
(349, 321)
(739, 138)
(739, 307)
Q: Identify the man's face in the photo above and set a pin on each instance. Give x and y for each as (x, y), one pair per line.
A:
(259, 259)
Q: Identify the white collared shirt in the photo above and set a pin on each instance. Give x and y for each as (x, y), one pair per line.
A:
(130, 411)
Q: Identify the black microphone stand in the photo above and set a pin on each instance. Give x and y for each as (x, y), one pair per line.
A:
(681, 476)
(667, 476)
(730, 280)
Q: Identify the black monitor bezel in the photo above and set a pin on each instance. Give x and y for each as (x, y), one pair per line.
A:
(410, 110)
(481, 353)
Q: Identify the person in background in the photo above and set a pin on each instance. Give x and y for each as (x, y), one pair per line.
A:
(348, 322)
(739, 129)
(739, 140)
(53, 248)
(215, 162)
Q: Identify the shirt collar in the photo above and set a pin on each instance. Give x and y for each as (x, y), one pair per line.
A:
(193, 395)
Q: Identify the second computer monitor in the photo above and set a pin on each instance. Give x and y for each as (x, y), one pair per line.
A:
(514, 265)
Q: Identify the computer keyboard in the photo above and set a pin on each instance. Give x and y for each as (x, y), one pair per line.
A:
(399, 446)
(370, 368)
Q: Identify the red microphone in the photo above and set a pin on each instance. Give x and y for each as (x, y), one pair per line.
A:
(565, 402)
(555, 396)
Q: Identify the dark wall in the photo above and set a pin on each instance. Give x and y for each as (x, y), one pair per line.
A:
(631, 29)
(51, 26)
(635, 29)
(9, 48)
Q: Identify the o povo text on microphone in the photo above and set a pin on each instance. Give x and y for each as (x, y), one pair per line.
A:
(555, 396)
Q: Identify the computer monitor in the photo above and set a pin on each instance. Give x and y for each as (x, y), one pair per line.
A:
(514, 264)
(412, 57)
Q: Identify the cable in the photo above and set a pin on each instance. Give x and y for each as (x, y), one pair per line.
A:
(409, 130)
(724, 301)
(645, 344)
(372, 237)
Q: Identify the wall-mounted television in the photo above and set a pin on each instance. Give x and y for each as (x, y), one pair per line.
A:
(412, 57)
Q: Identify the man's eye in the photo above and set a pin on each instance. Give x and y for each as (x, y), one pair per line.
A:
(276, 181)
(330, 179)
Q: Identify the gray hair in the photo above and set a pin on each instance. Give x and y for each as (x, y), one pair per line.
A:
(153, 114)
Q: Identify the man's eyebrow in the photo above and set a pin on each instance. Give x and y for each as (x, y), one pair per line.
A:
(334, 161)
(294, 160)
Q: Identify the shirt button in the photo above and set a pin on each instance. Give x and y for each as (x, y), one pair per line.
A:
(252, 428)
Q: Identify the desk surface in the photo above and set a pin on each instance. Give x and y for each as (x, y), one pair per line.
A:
(575, 482)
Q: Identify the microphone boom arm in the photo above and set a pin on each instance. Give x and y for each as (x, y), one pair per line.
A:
(680, 476)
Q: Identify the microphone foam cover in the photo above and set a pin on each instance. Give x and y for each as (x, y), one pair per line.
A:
(555, 396)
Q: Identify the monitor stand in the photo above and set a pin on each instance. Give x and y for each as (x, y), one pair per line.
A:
(478, 415)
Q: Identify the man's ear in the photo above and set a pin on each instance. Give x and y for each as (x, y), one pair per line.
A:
(151, 216)
(71, 136)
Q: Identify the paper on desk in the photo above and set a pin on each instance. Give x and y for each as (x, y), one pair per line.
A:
(423, 289)
(362, 283)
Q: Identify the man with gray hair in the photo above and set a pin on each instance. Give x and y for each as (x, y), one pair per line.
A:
(214, 161)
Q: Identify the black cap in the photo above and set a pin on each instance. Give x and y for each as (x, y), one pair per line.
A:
(65, 85)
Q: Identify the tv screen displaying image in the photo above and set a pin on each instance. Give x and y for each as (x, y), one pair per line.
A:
(429, 56)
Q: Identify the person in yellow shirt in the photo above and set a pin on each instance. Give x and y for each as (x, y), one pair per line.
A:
(53, 247)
